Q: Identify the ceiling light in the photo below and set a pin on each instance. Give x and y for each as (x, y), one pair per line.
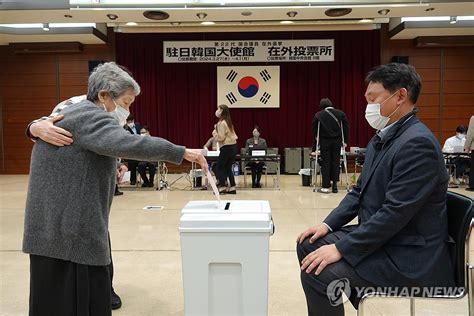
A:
(45, 26)
(292, 14)
(131, 24)
(175, 23)
(112, 16)
(201, 15)
(286, 22)
(156, 15)
(337, 12)
(453, 19)
(246, 13)
(207, 23)
(384, 11)
(365, 21)
(55, 25)
(466, 18)
(68, 16)
(425, 18)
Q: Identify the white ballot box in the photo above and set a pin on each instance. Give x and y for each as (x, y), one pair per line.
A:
(224, 250)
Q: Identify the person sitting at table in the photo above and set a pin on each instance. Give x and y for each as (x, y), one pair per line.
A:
(143, 165)
(453, 144)
(255, 143)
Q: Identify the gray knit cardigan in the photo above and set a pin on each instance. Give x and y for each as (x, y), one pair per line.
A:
(71, 188)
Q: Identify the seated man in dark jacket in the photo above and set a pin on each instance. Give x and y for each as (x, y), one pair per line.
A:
(144, 165)
(401, 239)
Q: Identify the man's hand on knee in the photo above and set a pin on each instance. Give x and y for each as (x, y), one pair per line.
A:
(315, 232)
(320, 258)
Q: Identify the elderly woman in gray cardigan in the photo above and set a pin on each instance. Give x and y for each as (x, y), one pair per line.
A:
(70, 194)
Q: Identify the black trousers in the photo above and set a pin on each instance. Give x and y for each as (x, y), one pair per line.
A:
(111, 267)
(323, 291)
(59, 287)
(256, 169)
(132, 167)
(471, 172)
(224, 164)
(330, 160)
(142, 165)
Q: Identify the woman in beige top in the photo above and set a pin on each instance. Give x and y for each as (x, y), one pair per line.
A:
(227, 140)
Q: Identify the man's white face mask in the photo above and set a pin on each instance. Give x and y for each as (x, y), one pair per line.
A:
(460, 135)
(373, 116)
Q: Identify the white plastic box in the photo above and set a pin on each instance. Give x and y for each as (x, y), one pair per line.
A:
(224, 253)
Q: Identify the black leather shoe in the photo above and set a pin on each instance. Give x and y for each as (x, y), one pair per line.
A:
(133, 182)
(334, 190)
(254, 185)
(118, 193)
(115, 300)
(259, 185)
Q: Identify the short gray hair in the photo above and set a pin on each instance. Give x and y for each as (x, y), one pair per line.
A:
(111, 78)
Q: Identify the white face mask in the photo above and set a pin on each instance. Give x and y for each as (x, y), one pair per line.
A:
(120, 114)
(218, 113)
(460, 136)
(373, 116)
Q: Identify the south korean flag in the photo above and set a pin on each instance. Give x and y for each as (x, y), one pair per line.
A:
(249, 86)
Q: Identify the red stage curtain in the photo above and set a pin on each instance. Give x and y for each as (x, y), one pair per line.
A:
(178, 101)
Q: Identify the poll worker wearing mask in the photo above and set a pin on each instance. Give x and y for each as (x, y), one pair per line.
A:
(143, 165)
(255, 143)
(469, 148)
(401, 239)
(134, 129)
(451, 145)
(227, 140)
(70, 193)
(331, 123)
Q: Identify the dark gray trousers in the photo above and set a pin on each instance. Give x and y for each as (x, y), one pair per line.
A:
(324, 291)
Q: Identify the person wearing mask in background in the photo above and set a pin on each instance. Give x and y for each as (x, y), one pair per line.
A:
(227, 139)
(134, 129)
(255, 143)
(66, 234)
(330, 121)
(469, 148)
(143, 165)
(451, 145)
(401, 239)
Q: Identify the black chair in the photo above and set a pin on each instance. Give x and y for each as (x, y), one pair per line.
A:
(460, 223)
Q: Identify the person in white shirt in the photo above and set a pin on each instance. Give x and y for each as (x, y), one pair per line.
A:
(454, 144)
(457, 140)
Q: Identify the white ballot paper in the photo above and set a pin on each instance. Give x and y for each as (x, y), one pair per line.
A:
(214, 188)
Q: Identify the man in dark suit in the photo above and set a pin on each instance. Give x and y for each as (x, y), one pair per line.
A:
(327, 125)
(133, 128)
(401, 239)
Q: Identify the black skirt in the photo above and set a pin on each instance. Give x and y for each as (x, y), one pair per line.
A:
(59, 287)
